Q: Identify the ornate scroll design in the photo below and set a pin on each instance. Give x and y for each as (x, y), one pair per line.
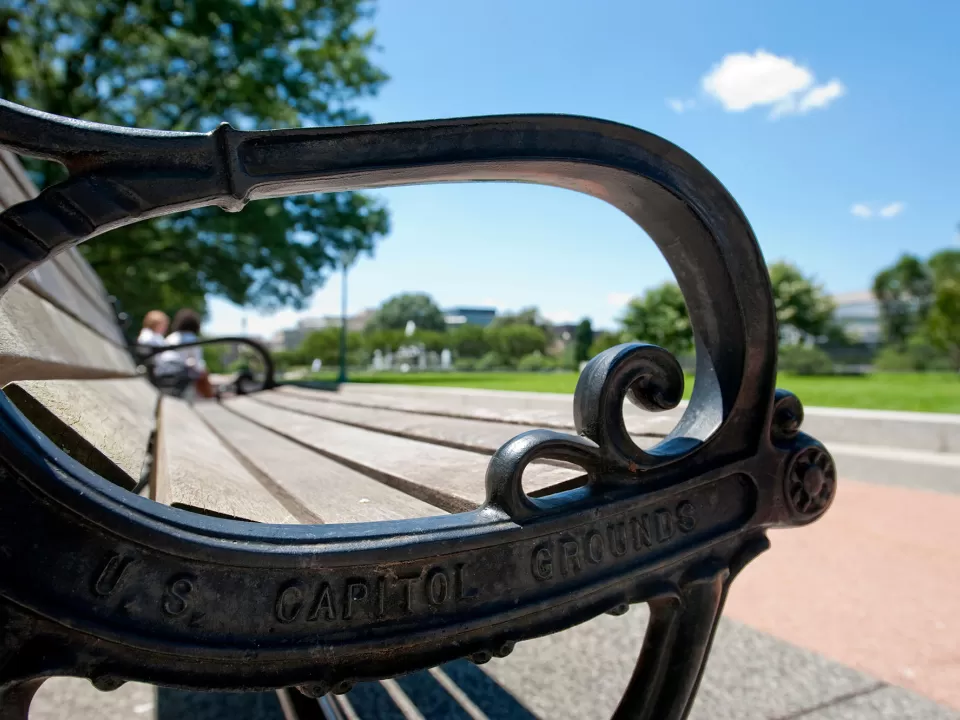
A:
(183, 599)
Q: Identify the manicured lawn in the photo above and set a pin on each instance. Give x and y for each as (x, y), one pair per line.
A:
(930, 392)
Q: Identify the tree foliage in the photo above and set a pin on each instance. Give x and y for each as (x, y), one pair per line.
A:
(943, 321)
(397, 311)
(605, 341)
(175, 65)
(469, 341)
(512, 342)
(800, 302)
(582, 340)
(527, 316)
(905, 293)
(920, 312)
(660, 317)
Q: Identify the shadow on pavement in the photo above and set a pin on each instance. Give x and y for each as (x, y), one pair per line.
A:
(370, 701)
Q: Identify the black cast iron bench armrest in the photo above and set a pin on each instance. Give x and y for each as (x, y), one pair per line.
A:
(669, 525)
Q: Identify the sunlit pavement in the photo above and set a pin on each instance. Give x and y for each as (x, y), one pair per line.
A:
(874, 584)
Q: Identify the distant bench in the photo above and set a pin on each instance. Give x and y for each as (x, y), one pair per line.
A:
(337, 537)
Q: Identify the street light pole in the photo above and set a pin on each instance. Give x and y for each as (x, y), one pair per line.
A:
(342, 378)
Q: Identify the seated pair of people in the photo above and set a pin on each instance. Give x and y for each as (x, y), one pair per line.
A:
(183, 369)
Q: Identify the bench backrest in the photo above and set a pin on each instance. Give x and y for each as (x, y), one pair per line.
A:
(64, 360)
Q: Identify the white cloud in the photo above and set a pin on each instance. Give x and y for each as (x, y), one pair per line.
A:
(892, 210)
(862, 210)
(822, 95)
(741, 81)
(680, 106)
(618, 299)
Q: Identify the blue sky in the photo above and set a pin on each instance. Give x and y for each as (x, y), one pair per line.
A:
(836, 126)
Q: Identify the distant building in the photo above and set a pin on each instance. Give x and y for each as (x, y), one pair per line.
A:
(456, 316)
(292, 338)
(858, 313)
(560, 337)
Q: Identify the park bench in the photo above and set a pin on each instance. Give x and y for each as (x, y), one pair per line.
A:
(295, 538)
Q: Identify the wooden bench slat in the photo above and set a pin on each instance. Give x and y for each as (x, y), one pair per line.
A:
(483, 436)
(40, 342)
(442, 476)
(113, 418)
(49, 282)
(67, 280)
(550, 412)
(195, 471)
(329, 491)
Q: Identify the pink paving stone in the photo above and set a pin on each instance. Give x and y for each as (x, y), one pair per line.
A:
(874, 584)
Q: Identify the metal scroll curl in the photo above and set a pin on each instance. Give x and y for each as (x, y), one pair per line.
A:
(648, 376)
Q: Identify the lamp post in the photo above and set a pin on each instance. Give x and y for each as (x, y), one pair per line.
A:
(346, 260)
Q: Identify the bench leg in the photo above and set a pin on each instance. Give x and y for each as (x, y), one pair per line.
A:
(297, 706)
(675, 649)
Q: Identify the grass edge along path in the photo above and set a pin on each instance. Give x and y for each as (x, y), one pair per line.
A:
(921, 392)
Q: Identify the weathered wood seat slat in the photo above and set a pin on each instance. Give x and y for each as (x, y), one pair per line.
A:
(38, 341)
(549, 411)
(66, 281)
(326, 490)
(195, 471)
(483, 436)
(103, 424)
(445, 477)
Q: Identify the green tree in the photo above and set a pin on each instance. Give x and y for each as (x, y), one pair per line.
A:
(582, 340)
(469, 341)
(325, 345)
(526, 316)
(213, 357)
(397, 311)
(383, 340)
(514, 341)
(604, 341)
(904, 292)
(660, 317)
(800, 302)
(431, 339)
(175, 65)
(943, 320)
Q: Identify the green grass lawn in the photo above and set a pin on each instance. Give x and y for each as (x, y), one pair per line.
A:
(930, 392)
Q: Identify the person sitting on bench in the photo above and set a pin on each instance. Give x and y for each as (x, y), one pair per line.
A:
(186, 329)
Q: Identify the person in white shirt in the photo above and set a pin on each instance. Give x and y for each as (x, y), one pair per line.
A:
(155, 324)
(186, 328)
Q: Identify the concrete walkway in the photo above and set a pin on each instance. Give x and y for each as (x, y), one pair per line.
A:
(576, 675)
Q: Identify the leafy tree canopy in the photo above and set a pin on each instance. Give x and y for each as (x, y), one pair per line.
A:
(605, 341)
(469, 341)
(905, 293)
(513, 342)
(397, 311)
(943, 321)
(800, 302)
(582, 340)
(526, 316)
(660, 317)
(176, 65)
